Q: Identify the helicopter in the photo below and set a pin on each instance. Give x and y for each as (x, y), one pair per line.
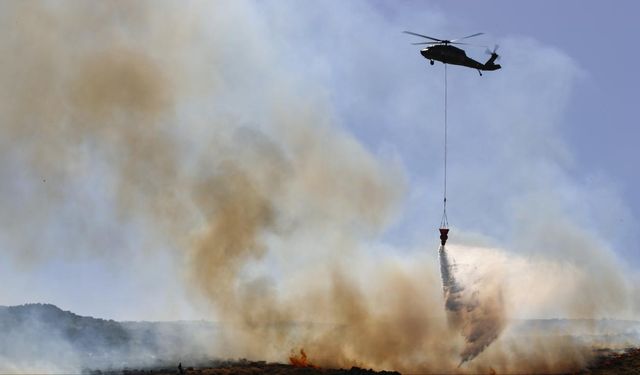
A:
(443, 50)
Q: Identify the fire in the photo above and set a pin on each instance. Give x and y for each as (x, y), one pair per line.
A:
(300, 360)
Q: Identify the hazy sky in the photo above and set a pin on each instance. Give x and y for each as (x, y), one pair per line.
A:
(580, 100)
(600, 124)
(596, 122)
(543, 147)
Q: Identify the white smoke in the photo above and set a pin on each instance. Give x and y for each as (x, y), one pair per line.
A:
(248, 162)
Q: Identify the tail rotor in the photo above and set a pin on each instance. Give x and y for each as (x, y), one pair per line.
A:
(493, 53)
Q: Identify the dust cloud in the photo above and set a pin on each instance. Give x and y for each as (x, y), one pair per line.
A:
(182, 120)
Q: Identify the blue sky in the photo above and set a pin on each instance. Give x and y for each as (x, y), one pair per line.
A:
(595, 121)
(600, 123)
(541, 152)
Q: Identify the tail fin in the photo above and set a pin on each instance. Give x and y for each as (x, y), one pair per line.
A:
(492, 59)
(490, 64)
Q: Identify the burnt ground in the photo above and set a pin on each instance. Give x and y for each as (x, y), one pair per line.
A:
(606, 362)
(615, 362)
(243, 367)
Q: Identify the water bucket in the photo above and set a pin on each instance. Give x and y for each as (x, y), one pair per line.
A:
(444, 235)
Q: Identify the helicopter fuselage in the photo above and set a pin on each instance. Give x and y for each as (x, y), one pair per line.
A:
(449, 54)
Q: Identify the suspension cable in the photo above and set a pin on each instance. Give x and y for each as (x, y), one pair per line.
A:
(444, 223)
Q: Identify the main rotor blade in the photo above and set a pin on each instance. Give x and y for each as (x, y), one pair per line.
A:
(423, 36)
(469, 44)
(446, 43)
(468, 36)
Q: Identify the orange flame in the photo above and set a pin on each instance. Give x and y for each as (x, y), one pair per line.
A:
(300, 360)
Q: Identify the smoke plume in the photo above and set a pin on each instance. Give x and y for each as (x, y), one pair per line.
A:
(176, 142)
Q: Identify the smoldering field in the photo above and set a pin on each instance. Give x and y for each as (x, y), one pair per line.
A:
(139, 131)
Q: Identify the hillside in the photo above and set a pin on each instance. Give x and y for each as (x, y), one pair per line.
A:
(44, 338)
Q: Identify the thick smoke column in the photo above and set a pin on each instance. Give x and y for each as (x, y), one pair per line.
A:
(476, 310)
(133, 132)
